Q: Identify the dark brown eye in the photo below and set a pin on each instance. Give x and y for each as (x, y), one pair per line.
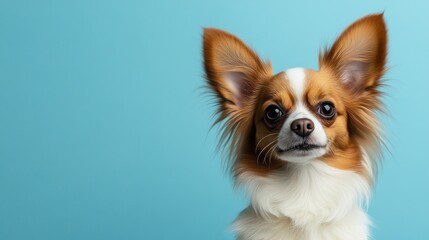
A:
(326, 110)
(273, 114)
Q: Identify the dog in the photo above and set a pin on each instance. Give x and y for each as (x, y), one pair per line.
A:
(303, 144)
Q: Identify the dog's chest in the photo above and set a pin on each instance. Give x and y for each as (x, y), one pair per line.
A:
(302, 200)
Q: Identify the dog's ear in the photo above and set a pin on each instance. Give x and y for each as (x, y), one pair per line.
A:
(358, 56)
(233, 70)
(358, 59)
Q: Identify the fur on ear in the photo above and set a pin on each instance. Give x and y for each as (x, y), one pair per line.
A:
(358, 59)
(358, 56)
(234, 75)
(232, 69)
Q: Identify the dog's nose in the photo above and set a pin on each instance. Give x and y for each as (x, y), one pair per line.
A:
(302, 127)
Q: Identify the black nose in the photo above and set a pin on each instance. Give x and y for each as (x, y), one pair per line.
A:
(302, 127)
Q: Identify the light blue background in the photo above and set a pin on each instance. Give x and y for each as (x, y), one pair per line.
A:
(104, 133)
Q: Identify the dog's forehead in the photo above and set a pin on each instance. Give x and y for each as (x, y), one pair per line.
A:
(296, 79)
(296, 86)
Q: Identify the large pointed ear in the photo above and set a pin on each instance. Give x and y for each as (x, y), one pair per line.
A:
(358, 56)
(232, 69)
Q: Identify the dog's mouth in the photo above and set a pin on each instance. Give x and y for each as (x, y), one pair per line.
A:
(303, 147)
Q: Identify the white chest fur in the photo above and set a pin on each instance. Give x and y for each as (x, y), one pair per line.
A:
(304, 201)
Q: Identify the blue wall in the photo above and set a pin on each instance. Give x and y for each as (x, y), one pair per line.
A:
(104, 133)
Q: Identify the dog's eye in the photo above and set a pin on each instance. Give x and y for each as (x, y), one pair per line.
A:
(326, 110)
(273, 114)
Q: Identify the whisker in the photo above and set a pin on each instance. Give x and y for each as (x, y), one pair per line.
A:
(268, 145)
(271, 155)
(268, 152)
(256, 148)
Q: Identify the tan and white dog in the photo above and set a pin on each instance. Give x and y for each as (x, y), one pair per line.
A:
(302, 142)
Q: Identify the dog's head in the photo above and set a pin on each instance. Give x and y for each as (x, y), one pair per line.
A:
(299, 115)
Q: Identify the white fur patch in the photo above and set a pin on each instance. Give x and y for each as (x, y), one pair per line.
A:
(304, 201)
(296, 77)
